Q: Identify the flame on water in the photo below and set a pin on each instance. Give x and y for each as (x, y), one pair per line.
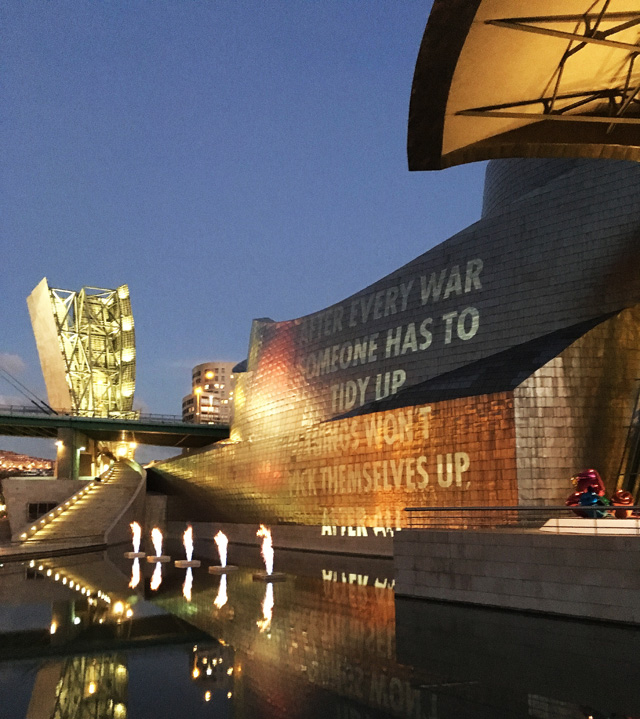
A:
(267, 547)
(264, 624)
(187, 538)
(221, 597)
(156, 579)
(137, 535)
(135, 573)
(188, 583)
(156, 538)
(222, 542)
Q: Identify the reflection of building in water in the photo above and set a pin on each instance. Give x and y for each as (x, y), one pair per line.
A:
(327, 642)
(213, 668)
(341, 649)
(92, 687)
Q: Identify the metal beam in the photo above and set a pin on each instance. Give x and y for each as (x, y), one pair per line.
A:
(556, 118)
(593, 40)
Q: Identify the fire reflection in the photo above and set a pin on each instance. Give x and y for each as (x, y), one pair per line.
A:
(221, 598)
(156, 579)
(188, 584)
(264, 624)
(135, 574)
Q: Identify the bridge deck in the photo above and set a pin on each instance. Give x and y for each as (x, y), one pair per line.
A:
(157, 431)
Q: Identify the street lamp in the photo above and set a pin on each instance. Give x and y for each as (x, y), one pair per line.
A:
(198, 391)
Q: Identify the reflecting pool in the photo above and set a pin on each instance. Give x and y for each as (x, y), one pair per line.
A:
(101, 636)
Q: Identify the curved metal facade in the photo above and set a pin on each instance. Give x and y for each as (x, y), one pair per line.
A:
(485, 372)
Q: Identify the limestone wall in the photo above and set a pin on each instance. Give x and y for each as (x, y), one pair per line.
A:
(593, 577)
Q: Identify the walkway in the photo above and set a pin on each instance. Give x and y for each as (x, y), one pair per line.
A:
(82, 523)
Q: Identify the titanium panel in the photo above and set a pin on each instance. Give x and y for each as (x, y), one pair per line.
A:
(487, 371)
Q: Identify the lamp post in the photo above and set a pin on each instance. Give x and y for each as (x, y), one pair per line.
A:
(197, 391)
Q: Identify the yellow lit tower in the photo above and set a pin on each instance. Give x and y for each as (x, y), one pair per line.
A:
(86, 344)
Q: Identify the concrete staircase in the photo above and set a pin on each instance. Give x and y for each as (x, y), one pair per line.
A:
(87, 520)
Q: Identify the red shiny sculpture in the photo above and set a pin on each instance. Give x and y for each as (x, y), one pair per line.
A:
(620, 499)
(589, 478)
(587, 482)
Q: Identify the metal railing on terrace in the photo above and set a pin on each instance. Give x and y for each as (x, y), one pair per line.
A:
(13, 410)
(561, 519)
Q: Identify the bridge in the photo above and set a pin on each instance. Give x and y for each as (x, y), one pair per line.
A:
(151, 429)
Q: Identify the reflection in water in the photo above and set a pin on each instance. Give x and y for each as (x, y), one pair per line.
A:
(221, 597)
(135, 574)
(267, 609)
(213, 669)
(330, 651)
(340, 646)
(85, 688)
(156, 578)
(188, 584)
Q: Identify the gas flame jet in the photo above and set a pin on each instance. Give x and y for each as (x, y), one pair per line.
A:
(156, 579)
(264, 624)
(135, 573)
(267, 547)
(222, 542)
(156, 538)
(136, 529)
(221, 598)
(188, 583)
(187, 539)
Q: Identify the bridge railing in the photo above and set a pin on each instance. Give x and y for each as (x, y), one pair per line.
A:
(559, 519)
(12, 410)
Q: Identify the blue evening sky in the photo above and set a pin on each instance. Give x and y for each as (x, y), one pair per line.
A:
(228, 159)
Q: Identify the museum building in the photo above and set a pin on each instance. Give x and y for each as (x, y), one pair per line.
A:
(486, 372)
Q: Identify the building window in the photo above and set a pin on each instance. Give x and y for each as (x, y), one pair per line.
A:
(35, 510)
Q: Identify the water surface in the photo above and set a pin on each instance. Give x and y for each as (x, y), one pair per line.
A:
(329, 641)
